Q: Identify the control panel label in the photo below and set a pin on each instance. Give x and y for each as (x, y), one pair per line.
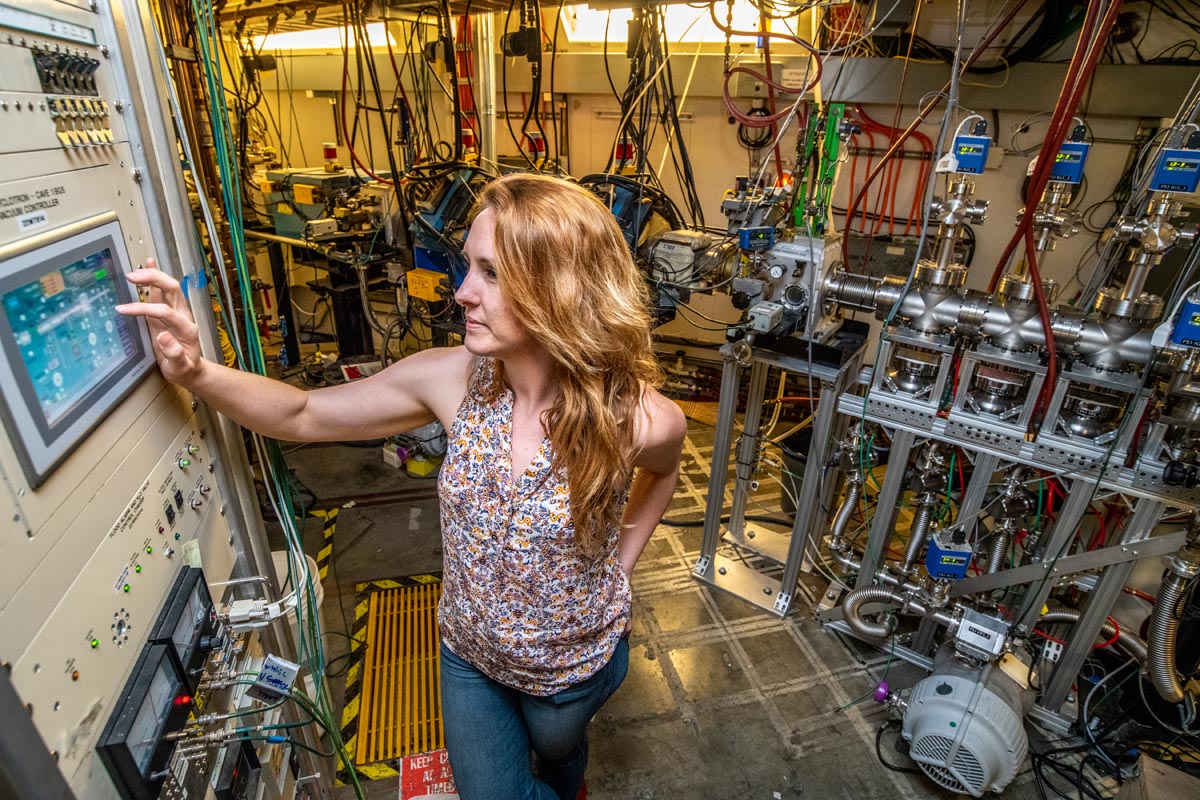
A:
(37, 219)
(39, 23)
(29, 210)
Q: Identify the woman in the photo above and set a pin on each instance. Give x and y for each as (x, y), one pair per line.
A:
(550, 407)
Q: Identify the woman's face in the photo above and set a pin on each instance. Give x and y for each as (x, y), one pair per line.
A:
(492, 329)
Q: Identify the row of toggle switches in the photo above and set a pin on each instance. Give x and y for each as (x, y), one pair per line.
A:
(80, 121)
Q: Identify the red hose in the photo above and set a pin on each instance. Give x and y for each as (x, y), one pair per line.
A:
(762, 20)
(1092, 40)
(769, 80)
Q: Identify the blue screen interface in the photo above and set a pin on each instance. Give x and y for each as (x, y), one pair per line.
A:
(69, 336)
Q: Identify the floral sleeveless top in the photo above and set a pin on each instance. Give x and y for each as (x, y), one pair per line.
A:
(520, 602)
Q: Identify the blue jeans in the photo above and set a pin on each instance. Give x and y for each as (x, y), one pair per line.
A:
(490, 729)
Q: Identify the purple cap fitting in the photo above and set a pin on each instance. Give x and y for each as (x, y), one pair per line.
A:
(882, 691)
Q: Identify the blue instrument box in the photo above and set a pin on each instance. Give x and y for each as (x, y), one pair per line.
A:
(946, 560)
(1069, 161)
(1176, 171)
(1187, 329)
(756, 238)
(971, 152)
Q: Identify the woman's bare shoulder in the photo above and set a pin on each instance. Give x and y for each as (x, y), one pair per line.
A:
(659, 430)
(438, 376)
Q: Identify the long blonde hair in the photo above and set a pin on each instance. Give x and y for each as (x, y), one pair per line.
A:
(564, 268)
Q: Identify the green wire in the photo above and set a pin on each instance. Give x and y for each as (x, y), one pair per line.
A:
(949, 486)
(886, 667)
(274, 465)
(295, 743)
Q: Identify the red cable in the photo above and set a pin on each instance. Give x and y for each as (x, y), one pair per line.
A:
(853, 165)
(771, 94)
(1116, 635)
(869, 123)
(1035, 277)
(885, 198)
(1139, 594)
(892, 199)
(862, 226)
(1036, 632)
(1087, 52)
(769, 80)
(1102, 535)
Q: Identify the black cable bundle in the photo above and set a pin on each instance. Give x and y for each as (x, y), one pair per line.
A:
(649, 99)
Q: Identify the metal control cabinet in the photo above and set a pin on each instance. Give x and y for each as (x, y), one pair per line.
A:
(137, 482)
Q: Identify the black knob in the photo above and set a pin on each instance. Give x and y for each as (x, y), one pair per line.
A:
(210, 643)
(1176, 473)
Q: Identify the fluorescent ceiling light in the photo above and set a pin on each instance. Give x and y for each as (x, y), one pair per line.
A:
(321, 39)
(684, 24)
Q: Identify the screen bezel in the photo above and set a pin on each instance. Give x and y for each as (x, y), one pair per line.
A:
(41, 447)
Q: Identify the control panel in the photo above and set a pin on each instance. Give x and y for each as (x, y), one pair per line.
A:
(114, 485)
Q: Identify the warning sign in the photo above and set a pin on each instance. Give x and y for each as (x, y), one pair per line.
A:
(427, 776)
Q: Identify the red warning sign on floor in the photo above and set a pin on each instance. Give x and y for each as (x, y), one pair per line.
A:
(427, 776)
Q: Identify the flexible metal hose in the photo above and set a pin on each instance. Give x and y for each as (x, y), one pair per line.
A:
(852, 610)
(837, 538)
(1132, 643)
(917, 534)
(852, 607)
(1163, 628)
(997, 549)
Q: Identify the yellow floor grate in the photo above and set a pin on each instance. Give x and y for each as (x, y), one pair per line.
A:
(400, 710)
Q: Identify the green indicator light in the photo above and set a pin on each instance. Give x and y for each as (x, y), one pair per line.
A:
(137, 568)
(125, 588)
(95, 643)
(101, 274)
(183, 462)
(193, 448)
(149, 549)
(176, 535)
(953, 724)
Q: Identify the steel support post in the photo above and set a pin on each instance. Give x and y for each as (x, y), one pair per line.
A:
(731, 378)
(1078, 499)
(1100, 601)
(886, 507)
(975, 491)
(809, 517)
(747, 450)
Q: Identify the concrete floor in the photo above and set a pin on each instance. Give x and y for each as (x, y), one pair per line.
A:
(722, 701)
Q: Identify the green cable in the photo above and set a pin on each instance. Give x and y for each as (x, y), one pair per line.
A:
(886, 667)
(949, 486)
(293, 742)
(308, 622)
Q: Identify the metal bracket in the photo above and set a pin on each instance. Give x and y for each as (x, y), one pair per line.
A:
(783, 601)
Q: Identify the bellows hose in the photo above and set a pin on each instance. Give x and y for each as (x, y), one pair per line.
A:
(1164, 625)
